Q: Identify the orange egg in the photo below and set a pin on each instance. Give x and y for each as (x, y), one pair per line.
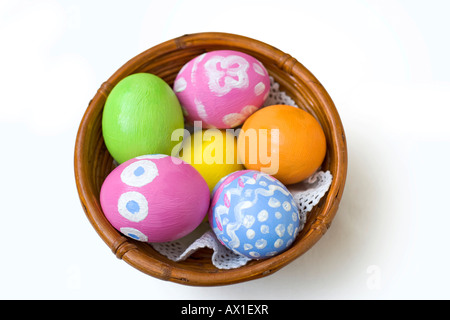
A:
(283, 141)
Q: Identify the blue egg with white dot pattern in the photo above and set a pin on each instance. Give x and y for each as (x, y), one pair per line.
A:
(254, 214)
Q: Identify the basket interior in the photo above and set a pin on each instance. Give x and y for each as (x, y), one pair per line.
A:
(98, 163)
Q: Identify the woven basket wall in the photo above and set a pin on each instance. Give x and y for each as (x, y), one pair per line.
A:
(93, 163)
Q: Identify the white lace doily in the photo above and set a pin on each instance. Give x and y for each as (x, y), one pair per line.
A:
(277, 97)
(306, 194)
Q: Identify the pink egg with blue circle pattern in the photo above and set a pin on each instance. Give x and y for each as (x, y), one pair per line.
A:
(254, 214)
(155, 198)
(221, 88)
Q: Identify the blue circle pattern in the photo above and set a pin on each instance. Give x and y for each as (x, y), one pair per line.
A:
(132, 235)
(256, 216)
(139, 171)
(132, 206)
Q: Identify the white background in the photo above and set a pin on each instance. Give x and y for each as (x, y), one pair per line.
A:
(385, 65)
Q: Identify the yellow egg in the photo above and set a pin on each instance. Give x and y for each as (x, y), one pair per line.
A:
(213, 153)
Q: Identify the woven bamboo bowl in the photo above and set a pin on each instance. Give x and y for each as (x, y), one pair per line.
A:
(93, 161)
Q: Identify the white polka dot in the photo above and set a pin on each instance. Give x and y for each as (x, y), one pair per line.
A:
(180, 85)
(233, 119)
(261, 244)
(248, 221)
(250, 233)
(280, 229)
(289, 242)
(265, 229)
(247, 246)
(139, 173)
(254, 254)
(201, 111)
(278, 215)
(263, 215)
(134, 234)
(259, 88)
(258, 69)
(274, 203)
(278, 243)
(294, 216)
(133, 206)
(287, 206)
(290, 229)
(271, 253)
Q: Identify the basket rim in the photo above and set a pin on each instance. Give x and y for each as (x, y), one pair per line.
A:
(126, 250)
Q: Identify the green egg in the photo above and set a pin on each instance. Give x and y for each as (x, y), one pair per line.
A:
(139, 116)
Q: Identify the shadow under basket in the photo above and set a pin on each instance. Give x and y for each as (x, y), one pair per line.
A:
(93, 162)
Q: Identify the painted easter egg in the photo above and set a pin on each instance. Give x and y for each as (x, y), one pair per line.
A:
(254, 215)
(139, 116)
(213, 153)
(288, 143)
(221, 88)
(155, 198)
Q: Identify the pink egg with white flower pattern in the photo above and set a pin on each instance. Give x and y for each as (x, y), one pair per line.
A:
(221, 88)
(155, 198)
